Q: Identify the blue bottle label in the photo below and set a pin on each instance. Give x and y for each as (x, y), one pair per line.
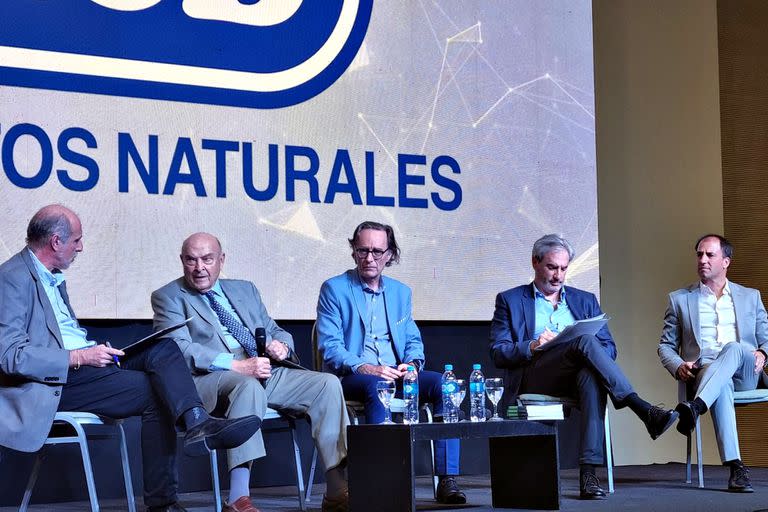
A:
(477, 387)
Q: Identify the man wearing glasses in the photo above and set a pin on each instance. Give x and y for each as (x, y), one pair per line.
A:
(366, 334)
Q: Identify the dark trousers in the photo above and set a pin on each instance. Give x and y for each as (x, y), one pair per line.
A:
(362, 388)
(155, 384)
(583, 370)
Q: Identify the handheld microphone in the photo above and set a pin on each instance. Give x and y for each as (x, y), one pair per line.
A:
(261, 341)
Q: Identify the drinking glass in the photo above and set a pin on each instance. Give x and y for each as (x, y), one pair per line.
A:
(386, 390)
(458, 398)
(494, 388)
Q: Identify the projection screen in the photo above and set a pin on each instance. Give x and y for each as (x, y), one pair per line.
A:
(279, 125)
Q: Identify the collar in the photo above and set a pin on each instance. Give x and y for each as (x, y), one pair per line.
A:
(216, 289)
(538, 295)
(705, 290)
(50, 278)
(366, 288)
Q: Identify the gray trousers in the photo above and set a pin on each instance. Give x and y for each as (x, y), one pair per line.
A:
(317, 395)
(733, 369)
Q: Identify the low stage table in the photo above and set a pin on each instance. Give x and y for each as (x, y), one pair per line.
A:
(524, 461)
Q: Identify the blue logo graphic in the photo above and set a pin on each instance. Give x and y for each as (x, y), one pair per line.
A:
(253, 53)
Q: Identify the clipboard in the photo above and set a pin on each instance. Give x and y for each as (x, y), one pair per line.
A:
(133, 347)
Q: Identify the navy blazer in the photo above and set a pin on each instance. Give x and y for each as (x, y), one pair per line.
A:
(514, 322)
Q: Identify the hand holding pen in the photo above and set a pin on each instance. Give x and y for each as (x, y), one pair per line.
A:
(96, 355)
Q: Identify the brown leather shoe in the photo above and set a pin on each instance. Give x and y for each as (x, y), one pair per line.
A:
(338, 503)
(241, 504)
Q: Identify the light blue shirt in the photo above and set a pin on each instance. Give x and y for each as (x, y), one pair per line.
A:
(224, 360)
(554, 317)
(72, 335)
(377, 349)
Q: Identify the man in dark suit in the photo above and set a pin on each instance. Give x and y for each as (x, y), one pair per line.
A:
(234, 375)
(47, 364)
(528, 317)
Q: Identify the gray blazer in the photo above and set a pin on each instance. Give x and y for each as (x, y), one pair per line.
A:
(33, 361)
(201, 340)
(680, 335)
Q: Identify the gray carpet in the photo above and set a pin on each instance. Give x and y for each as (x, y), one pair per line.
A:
(638, 488)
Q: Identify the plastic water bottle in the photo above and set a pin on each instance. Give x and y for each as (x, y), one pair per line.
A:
(411, 396)
(450, 390)
(476, 394)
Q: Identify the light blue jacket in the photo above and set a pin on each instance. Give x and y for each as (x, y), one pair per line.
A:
(341, 323)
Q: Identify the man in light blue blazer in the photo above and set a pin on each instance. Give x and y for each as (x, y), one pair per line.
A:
(366, 333)
(715, 338)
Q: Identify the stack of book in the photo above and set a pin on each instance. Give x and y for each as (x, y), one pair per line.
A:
(537, 411)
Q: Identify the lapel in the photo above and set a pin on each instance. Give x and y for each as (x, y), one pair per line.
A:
(359, 299)
(389, 308)
(50, 316)
(200, 304)
(739, 309)
(693, 311)
(529, 311)
(239, 304)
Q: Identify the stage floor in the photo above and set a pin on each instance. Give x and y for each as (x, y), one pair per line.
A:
(657, 487)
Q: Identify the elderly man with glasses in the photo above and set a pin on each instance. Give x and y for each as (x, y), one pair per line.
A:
(366, 334)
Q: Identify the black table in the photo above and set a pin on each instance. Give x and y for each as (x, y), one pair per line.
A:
(524, 462)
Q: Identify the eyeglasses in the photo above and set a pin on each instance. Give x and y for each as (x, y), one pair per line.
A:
(362, 253)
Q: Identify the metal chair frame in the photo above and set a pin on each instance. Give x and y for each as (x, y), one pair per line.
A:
(574, 404)
(76, 420)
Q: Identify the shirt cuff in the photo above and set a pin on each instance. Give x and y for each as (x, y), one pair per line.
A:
(222, 361)
(355, 367)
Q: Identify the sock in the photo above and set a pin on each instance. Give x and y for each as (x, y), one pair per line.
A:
(735, 463)
(194, 416)
(239, 482)
(586, 469)
(699, 405)
(336, 481)
(639, 406)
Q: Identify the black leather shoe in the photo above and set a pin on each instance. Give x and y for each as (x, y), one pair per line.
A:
(448, 492)
(659, 420)
(739, 480)
(215, 433)
(589, 487)
(173, 507)
(688, 416)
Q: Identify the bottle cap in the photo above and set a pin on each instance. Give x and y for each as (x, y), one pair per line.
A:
(449, 367)
(475, 366)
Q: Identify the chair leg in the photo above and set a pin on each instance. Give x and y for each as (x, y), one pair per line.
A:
(608, 453)
(699, 460)
(87, 468)
(311, 479)
(32, 480)
(688, 458)
(214, 459)
(297, 462)
(435, 478)
(126, 470)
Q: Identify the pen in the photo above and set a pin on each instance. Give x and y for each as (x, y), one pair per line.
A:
(117, 361)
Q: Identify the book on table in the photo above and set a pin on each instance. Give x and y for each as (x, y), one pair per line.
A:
(539, 411)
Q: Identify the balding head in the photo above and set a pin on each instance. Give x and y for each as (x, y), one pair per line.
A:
(202, 258)
(49, 220)
(55, 234)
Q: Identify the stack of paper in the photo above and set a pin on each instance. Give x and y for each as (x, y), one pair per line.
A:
(547, 411)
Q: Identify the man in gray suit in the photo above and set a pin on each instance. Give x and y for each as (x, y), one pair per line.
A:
(47, 364)
(715, 338)
(236, 376)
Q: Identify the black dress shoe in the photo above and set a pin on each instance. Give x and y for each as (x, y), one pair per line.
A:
(688, 416)
(589, 488)
(448, 492)
(739, 480)
(215, 433)
(173, 507)
(659, 420)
